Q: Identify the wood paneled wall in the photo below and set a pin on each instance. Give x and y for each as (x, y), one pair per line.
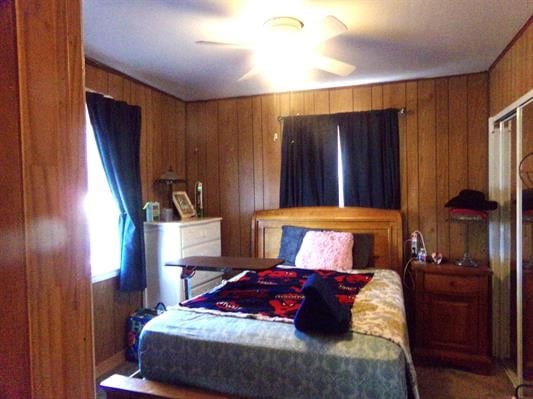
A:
(111, 309)
(44, 243)
(512, 75)
(233, 146)
(162, 145)
(14, 342)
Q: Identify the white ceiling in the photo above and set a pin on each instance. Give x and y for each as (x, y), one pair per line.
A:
(388, 40)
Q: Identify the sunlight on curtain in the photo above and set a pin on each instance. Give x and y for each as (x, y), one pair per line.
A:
(102, 214)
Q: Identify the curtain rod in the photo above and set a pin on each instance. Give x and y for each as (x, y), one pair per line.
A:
(401, 111)
(97, 92)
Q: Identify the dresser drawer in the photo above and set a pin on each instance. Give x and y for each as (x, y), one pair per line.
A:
(210, 248)
(197, 234)
(451, 284)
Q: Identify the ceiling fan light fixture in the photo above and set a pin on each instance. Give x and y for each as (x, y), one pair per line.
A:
(283, 24)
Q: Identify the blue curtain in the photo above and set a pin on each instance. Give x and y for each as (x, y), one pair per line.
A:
(370, 158)
(309, 162)
(117, 127)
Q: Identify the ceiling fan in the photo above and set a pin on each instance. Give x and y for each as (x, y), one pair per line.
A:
(287, 38)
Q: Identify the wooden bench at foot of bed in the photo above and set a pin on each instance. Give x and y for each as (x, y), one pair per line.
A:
(123, 387)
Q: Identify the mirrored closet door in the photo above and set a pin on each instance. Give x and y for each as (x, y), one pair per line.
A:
(511, 236)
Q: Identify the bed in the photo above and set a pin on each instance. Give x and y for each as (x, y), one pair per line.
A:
(186, 353)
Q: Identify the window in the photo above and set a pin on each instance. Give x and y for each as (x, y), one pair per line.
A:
(102, 214)
(340, 178)
(344, 159)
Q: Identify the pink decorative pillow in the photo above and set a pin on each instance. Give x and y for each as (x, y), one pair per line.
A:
(329, 250)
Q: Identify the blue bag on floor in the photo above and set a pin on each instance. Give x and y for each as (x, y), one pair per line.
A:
(136, 322)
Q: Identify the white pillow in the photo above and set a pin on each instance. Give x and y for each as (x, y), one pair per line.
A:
(326, 250)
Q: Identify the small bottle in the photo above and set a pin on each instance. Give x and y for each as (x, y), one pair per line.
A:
(149, 212)
(422, 255)
(156, 211)
(199, 199)
(414, 245)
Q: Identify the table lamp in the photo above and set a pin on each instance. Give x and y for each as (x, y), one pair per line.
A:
(170, 178)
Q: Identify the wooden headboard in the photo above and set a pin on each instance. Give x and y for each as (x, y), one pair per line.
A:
(385, 225)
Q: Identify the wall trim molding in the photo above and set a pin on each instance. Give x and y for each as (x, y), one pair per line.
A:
(109, 364)
(107, 68)
(511, 43)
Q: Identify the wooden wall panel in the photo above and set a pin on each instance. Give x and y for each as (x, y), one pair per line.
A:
(377, 97)
(162, 146)
(14, 341)
(52, 184)
(228, 164)
(362, 98)
(512, 75)
(442, 163)
(442, 145)
(410, 158)
(297, 103)
(246, 171)
(309, 103)
(341, 100)
(457, 150)
(321, 101)
(212, 180)
(198, 113)
(271, 149)
(477, 155)
(111, 309)
(257, 132)
(427, 198)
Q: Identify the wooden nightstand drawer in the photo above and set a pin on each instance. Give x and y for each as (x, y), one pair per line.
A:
(451, 284)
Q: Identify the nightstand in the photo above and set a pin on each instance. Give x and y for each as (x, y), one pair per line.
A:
(452, 315)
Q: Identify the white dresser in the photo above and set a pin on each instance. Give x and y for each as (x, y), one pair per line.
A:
(165, 241)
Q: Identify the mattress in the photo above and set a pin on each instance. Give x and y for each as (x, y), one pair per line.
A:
(264, 359)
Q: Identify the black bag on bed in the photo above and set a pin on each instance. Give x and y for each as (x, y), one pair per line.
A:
(136, 322)
(320, 312)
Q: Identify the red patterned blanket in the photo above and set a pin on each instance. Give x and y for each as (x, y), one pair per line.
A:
(274, 294)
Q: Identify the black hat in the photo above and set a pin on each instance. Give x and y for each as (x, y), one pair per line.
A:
(527, 199)
(471, 199)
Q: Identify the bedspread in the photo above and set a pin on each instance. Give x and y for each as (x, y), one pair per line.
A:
(257, 358)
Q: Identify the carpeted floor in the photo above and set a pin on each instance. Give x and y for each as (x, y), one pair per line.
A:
(433, 383)
(447, 383)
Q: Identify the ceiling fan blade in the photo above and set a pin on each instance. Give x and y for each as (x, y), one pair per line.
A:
(250, 74)
(326, 29)
(224, 44)
(333, 65)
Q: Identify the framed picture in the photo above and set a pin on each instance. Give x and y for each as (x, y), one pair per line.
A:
(183, 204)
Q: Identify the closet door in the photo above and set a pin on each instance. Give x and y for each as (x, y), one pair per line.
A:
(511, 235)
(525, 214)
